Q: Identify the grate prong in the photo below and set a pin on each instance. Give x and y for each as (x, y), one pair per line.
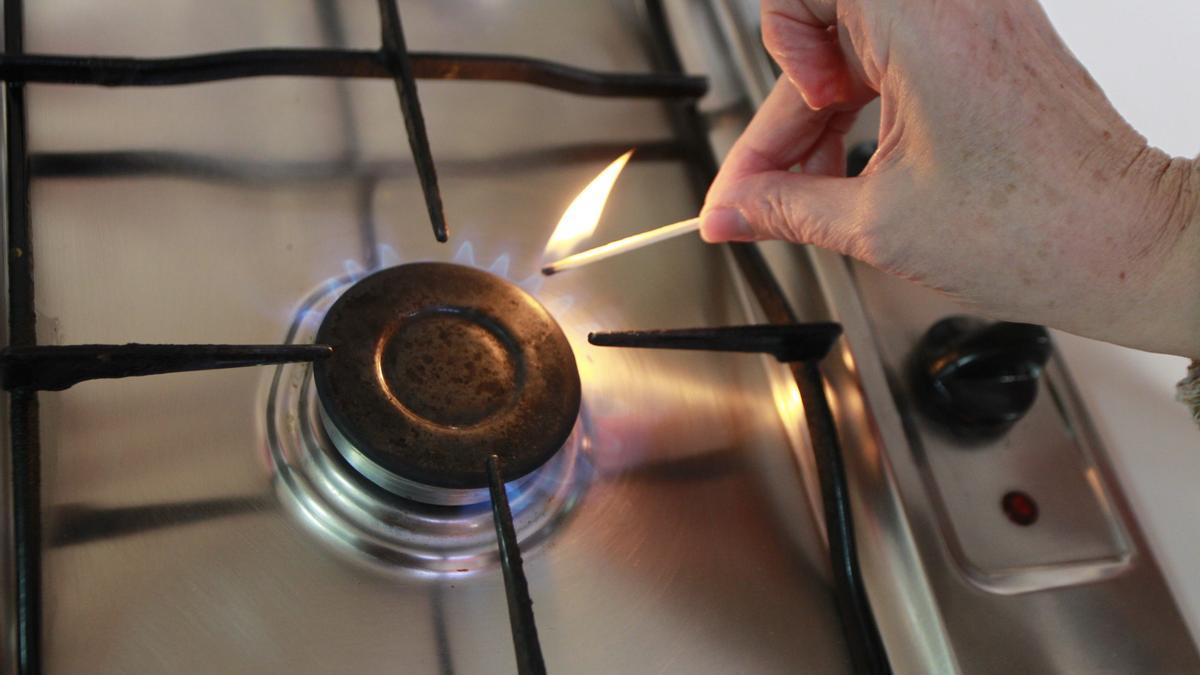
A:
(395, 55)
(57, 367)
(520, 606)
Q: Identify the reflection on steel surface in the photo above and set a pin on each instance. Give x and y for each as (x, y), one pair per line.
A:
(80, 523)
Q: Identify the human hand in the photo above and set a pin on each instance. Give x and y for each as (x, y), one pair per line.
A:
(1003, 177)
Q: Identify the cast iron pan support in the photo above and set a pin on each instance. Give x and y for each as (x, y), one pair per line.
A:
(801, 347)
(399, 63)
(58, 367)
(520, 605)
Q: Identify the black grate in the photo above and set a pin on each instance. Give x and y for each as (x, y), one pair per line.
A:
(23, 405)
(26, 368)
(54, 368)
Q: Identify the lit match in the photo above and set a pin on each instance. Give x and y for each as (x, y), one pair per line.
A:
(625, 245)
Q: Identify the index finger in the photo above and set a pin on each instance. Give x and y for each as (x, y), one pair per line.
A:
(782, 133)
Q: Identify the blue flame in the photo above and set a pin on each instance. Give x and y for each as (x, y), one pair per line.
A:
(387, 256)
(533, 283)
(560, 305)
(465, 254)
(500, 266)
(353, 269)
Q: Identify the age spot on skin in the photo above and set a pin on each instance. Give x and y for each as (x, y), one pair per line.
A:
(1122, 275)
(1054, 197)
(997, 199)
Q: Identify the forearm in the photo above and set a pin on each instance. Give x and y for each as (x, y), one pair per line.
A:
(1168, 318)
(1187, 286)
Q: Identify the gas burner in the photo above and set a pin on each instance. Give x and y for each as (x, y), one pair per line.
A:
(436, 367)
(403, 524)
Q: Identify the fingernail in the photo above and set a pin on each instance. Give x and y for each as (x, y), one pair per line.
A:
(725, 224)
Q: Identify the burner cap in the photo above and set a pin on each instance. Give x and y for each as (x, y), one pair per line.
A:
(436, 366)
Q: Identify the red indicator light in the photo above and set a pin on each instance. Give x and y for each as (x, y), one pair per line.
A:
(1020, 507)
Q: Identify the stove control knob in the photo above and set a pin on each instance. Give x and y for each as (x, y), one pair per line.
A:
(977, 378)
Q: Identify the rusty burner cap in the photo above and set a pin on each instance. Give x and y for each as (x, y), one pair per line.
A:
(436, 366)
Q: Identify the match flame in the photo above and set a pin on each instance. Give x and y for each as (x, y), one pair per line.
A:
(580, 219)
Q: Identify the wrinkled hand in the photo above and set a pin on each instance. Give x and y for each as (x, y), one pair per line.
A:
(1003, 176)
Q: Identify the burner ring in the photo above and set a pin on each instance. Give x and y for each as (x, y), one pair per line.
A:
(436, 366)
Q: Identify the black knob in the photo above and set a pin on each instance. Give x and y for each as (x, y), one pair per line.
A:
(979, 378)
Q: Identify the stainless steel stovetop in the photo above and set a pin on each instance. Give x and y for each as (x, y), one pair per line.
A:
(188, 522)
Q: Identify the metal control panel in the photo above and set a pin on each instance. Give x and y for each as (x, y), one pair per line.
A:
(1073, 535)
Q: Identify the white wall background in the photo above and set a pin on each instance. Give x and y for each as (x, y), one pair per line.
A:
(1146, 56)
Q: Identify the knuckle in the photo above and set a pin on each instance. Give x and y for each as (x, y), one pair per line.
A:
(880, 238)
(782, 33)
(781, 221)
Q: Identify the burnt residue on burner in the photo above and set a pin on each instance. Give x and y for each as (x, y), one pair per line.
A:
(485, 376)
(438, 366)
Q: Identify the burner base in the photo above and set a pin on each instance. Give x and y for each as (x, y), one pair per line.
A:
(438, 531)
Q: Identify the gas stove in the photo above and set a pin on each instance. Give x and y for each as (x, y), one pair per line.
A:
(367, 435)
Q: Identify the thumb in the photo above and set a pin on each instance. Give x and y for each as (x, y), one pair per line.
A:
(796, 207)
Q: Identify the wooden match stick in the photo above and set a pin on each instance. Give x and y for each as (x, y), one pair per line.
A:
(620, 246)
